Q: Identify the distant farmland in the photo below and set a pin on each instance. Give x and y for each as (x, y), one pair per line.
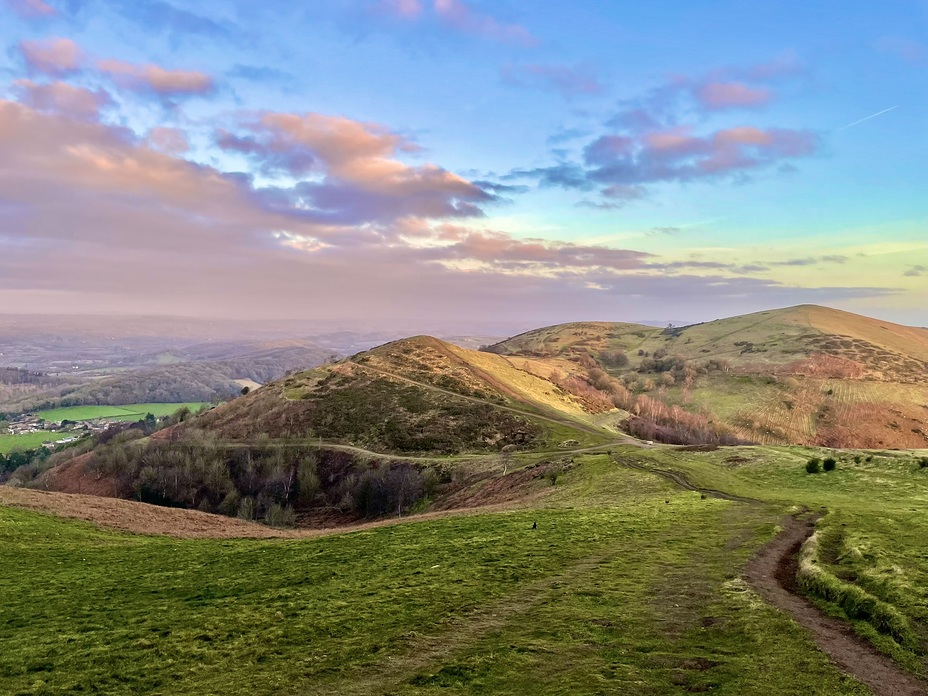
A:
(130, 412)
(28, 441)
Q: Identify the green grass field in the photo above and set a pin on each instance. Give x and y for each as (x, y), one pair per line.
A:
(28, 441)
(130, 412)
(628, 585)
(872, 537)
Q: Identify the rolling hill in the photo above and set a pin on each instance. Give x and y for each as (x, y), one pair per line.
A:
(414, 395)
(365, 434)
(801, 375)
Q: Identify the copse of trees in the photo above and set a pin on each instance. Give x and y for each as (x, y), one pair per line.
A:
(261, 482)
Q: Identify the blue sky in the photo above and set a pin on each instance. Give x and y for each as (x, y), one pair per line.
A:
(419, 159)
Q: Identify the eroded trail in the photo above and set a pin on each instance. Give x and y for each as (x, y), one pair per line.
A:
(772, 574)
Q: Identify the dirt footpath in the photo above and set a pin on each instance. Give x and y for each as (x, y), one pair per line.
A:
(772, 573)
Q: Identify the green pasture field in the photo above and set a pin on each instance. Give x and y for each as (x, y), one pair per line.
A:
(28, 441)
(130, 412)
(872, 534)
(628, 585)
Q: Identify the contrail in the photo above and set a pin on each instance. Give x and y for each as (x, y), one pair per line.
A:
(867, 118)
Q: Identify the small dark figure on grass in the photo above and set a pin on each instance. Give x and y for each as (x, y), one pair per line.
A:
(534, 525)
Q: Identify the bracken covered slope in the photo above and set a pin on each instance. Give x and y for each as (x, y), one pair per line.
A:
(804, 375)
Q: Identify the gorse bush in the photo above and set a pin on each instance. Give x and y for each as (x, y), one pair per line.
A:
(829, 464)
(814, 465)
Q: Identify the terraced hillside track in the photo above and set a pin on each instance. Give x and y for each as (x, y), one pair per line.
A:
(772, 574)
(547, 416)
(425, 459)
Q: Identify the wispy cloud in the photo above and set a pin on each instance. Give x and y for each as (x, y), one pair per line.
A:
(908, 49)
(403, 9)
(63, 99)
(461, 15)
(55, 56)
(31, 9)
(157, 80)
(568, 81)
(360, 227)
(662, 137)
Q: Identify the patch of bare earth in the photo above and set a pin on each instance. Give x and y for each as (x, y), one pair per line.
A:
(141, 518)
(518, 487)
(76, 476)
(135, 517)
(772, 573)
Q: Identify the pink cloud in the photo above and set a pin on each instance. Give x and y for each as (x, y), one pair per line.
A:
(677, 154)
(62, 98)
(53, 56)
(501, 250)
(171, 141)
(907, 49)
(357, 175)
(101, 217)
(404, 9)
(32, 9)
(462, 16)
(726, 95)
(153, 78)
(566, 80)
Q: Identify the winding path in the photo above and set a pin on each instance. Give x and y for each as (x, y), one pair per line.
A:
(772, 574)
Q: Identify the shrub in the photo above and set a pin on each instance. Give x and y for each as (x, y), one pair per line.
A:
(813, 466)
(923, 463)
(829, 464)
(279, 516)
(246, 509)
(858, 459)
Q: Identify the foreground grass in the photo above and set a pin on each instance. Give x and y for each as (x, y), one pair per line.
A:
(626, 586)
(130, 412)
(871, 539)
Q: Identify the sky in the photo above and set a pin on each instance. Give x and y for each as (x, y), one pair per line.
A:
(421, 161)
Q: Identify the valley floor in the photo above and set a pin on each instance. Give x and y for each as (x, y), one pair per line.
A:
(629, 584)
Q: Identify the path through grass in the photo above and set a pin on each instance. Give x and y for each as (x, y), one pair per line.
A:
(627, 586)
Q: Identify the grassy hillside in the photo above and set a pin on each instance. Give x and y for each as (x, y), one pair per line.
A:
(866, 562)
(626, 586)
(416, 395)
(803, 375)
(752, 342)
